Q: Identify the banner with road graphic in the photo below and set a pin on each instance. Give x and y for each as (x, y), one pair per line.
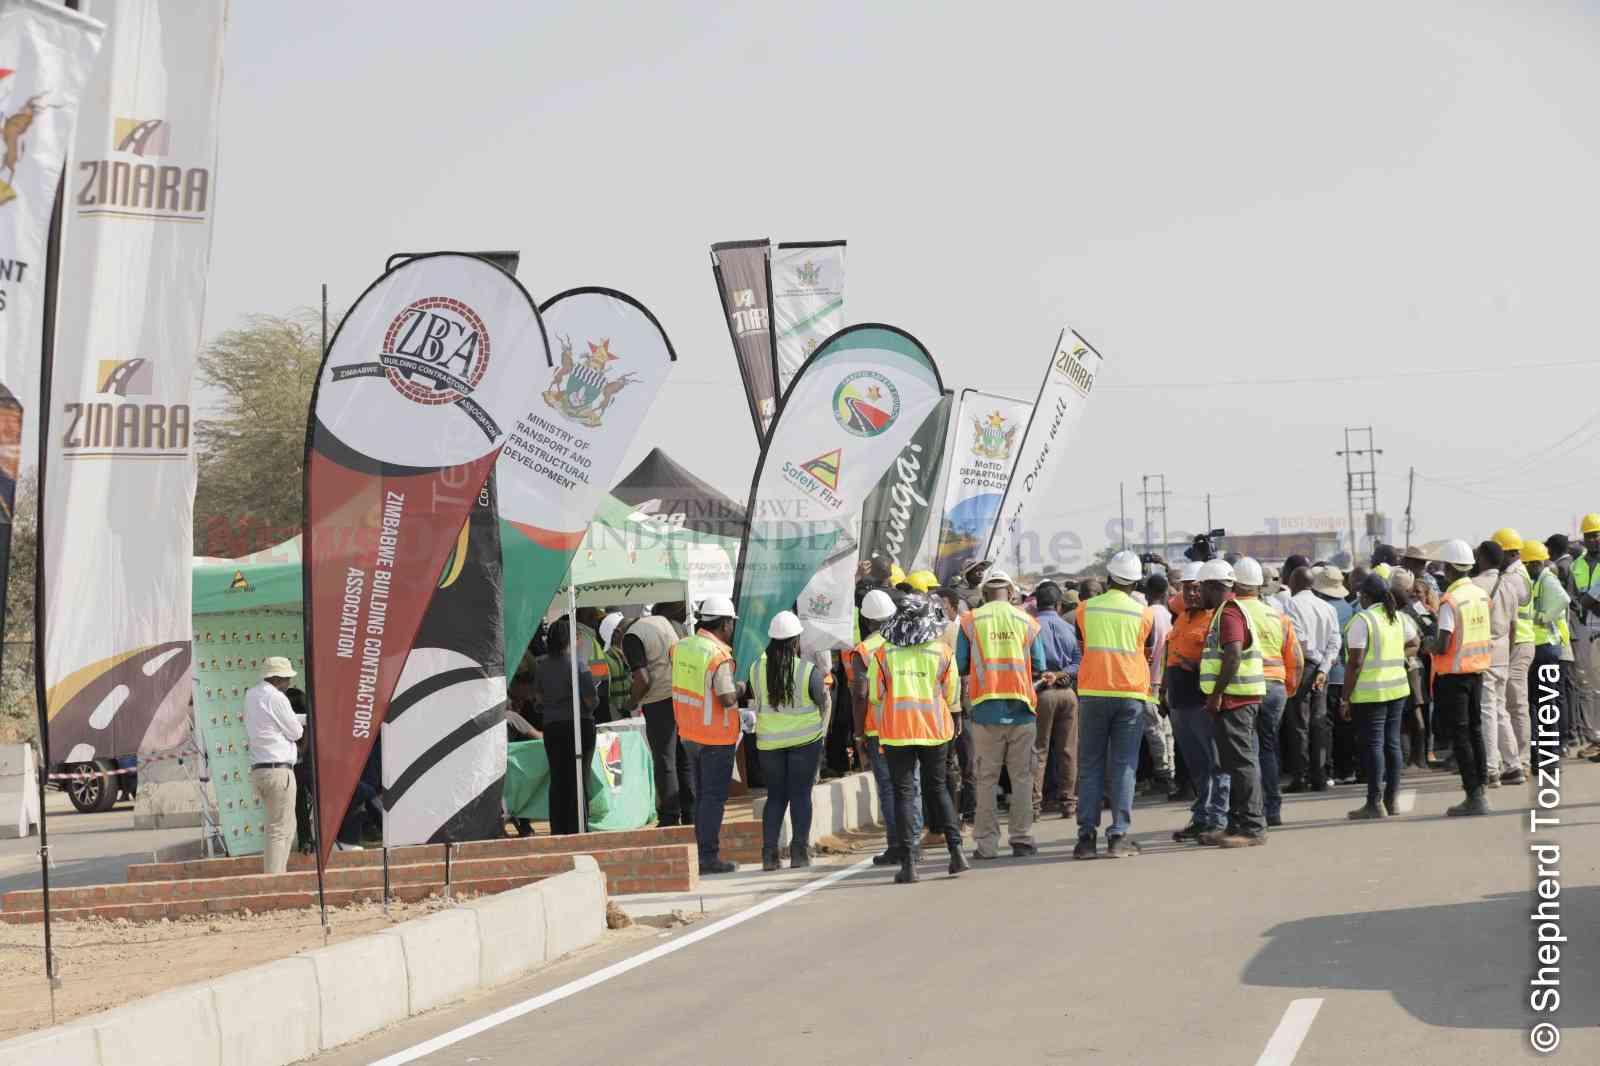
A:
(423, 385)
(900, 509)
(567, 443)
(117, 470)
(48, 51)
(1068, 381)
(983, 451)
(740, 271)
(849, 411)
(806, 286)
(444, 738)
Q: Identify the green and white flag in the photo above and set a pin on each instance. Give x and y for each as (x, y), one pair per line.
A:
(806, 285)
(845, 417)
(563, 453)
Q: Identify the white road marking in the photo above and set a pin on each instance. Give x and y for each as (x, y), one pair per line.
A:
(1291, 1033)
(555, 995)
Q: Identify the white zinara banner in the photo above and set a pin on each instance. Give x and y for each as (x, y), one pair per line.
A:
(982, 454)
(1068, 381)
(807, 293)
(118, 471)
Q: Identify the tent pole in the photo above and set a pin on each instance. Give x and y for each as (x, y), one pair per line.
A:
(577, 725)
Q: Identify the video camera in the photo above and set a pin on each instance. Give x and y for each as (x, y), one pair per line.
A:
(1204, 548)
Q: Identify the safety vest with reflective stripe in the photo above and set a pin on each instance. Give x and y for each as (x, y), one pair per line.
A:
(621, 679)
(867, 651)
(700, 715)
(1269, 628)
(793, 724)
(1383, 570)
(1585, 577)
(1250, 679)
(1468, 650)
(915, 684)
(999, 644)
(1383, 671)
(1523, 632)
(1115, 628)
(1546, 634)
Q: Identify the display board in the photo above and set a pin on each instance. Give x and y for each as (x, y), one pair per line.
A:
(622, 785)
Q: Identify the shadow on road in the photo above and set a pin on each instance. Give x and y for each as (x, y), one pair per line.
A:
(1459, 965)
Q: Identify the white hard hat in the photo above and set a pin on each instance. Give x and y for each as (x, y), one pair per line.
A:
(1248, 572)
(1456, 553)
(1125, 566)
(717, 607)
(1191, 572)
(877, 606)
(998, 577)
(608, 627)
(785, 624)
(1216, 570)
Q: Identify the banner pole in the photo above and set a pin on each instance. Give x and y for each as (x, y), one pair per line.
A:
(311, 703)
(577, 729)
(47, 351)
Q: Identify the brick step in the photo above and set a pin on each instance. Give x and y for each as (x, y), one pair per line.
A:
(155, 910)
(580, 843)
(663, 868)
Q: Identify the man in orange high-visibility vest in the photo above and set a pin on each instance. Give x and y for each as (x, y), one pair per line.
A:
(1461, 650)
(705, 702)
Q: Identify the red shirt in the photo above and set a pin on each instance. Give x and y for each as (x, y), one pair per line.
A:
(1234, 629)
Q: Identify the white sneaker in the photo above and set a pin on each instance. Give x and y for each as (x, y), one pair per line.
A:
(347, 847)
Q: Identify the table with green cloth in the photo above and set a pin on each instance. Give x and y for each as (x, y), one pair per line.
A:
(622, 784)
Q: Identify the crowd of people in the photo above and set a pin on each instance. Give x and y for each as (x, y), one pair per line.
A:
(1219, 683)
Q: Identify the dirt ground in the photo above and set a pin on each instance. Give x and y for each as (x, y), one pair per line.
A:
(104, 964)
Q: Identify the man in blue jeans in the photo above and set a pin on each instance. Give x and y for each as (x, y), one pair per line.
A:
(1115, 632)
(1191, 722)
(1280, 654)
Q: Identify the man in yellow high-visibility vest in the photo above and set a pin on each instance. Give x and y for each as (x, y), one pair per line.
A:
(1461, 649)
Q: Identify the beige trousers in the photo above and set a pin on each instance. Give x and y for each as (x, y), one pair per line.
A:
(276, 788)
(1517, 706)
(1011, 746)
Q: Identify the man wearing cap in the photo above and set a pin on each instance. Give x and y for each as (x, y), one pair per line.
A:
(1520, 661)
(860, 668)
(1585, 589)
(998, 652)
(1113, 686)
(273, 728)
(1507, 592)
(1327, 584)
(1548, 612)
(705, 702)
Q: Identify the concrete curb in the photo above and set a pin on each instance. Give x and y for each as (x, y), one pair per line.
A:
(840, 805)
(291, 1009)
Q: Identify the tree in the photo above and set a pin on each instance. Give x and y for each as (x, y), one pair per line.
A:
(251, 457)
(19, 721)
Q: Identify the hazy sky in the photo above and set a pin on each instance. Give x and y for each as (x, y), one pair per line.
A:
(1274, 220)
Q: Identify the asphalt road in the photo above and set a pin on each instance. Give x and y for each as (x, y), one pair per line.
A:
(1413, 934)
(87, 849)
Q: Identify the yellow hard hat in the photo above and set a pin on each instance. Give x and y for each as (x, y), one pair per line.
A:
(896, 575)
(1590, 524)
(922, 580)
(1508, 539)
(1533, 551)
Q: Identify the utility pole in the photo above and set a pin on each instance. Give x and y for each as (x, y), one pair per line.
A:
(1360, 486)
(1209, 526)
(1411, 489)
(1122, 505)
(1152, 508)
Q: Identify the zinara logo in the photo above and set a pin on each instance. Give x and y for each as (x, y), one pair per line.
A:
(142, 136)
(125, 377)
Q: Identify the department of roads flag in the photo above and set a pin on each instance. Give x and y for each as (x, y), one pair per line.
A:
(982, 454)
(850, 410)
(422, 386)
(117, 471)
(568, 441)
(1068, 381)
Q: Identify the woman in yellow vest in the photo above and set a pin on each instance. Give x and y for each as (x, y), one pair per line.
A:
(1376, 683)
(788, 695)
(917, 686)
(1460, 649)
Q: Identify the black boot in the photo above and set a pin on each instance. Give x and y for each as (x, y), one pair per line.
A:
(908, 869)
(799, 856)
(890, 857)
(769, 859)
(958, 859)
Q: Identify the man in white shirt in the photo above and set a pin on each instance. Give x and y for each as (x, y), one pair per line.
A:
(273, 728)
(1310, 731)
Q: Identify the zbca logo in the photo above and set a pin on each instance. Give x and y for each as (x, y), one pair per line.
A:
(866, 403)
(436, 351)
